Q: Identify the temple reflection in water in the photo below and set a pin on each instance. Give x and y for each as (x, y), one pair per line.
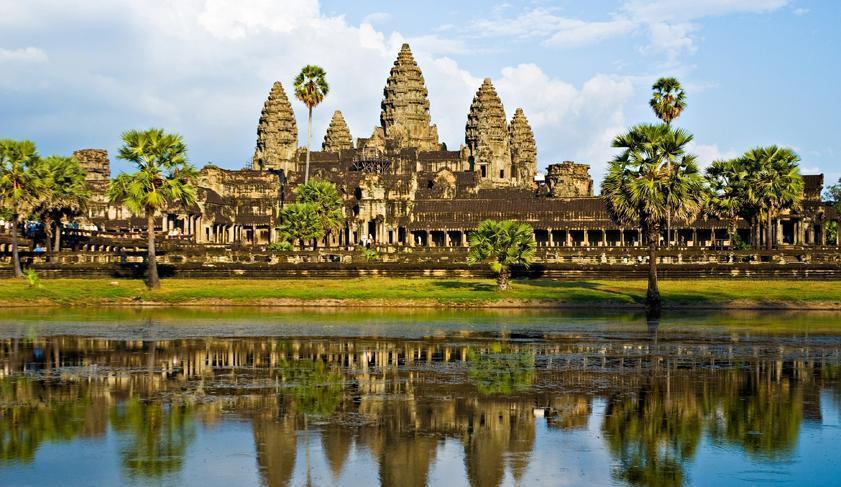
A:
(314, 402)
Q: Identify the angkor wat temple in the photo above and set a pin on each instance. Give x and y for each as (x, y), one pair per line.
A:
(402, 186)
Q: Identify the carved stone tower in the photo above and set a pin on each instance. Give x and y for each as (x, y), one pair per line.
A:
(486, 135)
(97, 169)
(405, 106)
(523, 149)
(277, 133)
(338, 136)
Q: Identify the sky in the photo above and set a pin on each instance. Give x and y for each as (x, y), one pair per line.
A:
(77, 73)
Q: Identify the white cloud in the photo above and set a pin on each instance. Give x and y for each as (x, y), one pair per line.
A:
(669, 24)
(801, 11)
(25, 55)
(708, 153)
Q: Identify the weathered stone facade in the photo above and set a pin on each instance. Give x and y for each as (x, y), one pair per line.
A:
(338, 136)
(487, 137)
(523, 149)
(402, 189)
(405, 106)
(277, 133)
(569, 180)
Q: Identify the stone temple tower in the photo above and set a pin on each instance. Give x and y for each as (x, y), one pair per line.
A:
(523, 149)
(405, 106)
(277, 133)
(487, 137)
(338, 136)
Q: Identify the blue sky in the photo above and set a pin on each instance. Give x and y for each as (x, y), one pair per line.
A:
(76, 74)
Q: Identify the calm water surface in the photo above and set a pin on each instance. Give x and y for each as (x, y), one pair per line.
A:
(235, 397)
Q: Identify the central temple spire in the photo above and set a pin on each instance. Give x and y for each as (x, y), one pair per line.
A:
(405, 106)
(486, 134)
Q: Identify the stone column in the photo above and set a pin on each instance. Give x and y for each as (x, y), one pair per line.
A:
(586, 241)
(568, 238)
(604, 237)
(778, 228)
(464, 242)
(429, 238)
(551, 239)
(823, 233)
(694, 237)
(447, 242)
(621, 237)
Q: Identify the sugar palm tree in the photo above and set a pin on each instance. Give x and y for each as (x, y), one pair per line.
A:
(774, 182)
(63, 193)
(727, 195)
(639, 188)
(324, 196)
(668, 100)
(19, 188)
(163, 178)
(502, 244)
(311, 88)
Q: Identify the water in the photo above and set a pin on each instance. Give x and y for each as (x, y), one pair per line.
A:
(240, 397)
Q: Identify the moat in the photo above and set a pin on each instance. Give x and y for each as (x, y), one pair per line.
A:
(287, 397)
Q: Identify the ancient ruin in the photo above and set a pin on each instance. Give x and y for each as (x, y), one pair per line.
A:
(402, 188)
(338, 136)
(277, 133)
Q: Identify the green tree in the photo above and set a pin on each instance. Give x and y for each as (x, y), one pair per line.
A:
(163, 178)
(325, 199)
(639, 189)
(300, 221)
(311, 88)
(502, 244)
(774, 183)
(668, 100)
(727, 195)
(19, 188)
(63, 193)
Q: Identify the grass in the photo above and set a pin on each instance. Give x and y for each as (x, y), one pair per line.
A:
(426, 292)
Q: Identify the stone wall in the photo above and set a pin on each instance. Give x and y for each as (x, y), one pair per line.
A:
(569, 180)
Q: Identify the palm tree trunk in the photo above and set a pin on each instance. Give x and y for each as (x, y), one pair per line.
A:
(309, 141)
(502, 279)
(652, 296)
(769, 231)
(152, 279)
(15, 254)
(48, 231)
(57, 244)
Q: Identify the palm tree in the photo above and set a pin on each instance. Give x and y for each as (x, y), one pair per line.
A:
(727, 195)
(502, 244)
(310, 88)
(668, 100)
(163, 178)
(639, 188)
(64, 193)
(19, 188)
(300, 221)
(774, 183)
(325, 198)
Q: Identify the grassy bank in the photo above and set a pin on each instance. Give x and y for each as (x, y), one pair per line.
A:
(423, 292)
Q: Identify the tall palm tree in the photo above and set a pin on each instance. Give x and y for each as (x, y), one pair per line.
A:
(311, 88)
(774, 183)
(668, 100)
(64, 192)
(502, 244)
(163, 178)
(19, 187)
(727, 195)
(639, 188)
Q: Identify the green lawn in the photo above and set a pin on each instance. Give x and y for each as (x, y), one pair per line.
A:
(391, 291)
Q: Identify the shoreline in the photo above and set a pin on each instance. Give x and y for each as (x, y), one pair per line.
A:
(422, 293)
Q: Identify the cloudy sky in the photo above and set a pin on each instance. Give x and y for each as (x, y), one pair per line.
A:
(76, 73)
